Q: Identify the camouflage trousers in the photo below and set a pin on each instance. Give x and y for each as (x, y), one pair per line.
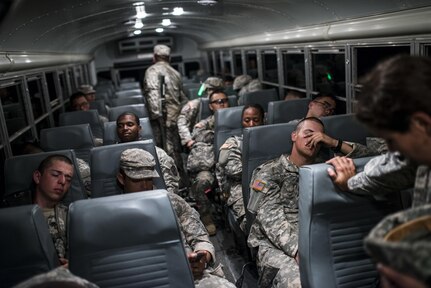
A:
(213, 278)
(236, 203)
(173, 148)
(202, 184)
(288, 273)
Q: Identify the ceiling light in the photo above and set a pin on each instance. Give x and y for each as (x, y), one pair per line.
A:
(207, 2)
(166, 22)
(159, 30)
(178, 11)
(138, 23)
(137, 32)
(140, 11)
(138, 3)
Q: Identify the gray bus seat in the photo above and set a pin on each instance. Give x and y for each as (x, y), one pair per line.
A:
(110, 133)
(26, 246)
(127, 100)
(285, 111)
(228, 122)
(19, 170)
(205, 112)
(99, 105)
(76, 137)
(261, 144)
(192, 93)
(332, 225)
(104, 96)
(128, 93)
(83, 117)
(129, 240)
(129, 85)
(139, 109)
(105, 162)
(261, 97)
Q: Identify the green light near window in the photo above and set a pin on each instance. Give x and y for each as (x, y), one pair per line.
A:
(329, 76)
(201, 90)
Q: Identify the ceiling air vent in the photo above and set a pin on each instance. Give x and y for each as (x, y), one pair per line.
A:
(207, 2)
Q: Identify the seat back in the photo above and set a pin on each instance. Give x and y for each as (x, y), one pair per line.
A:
(139, 109)
(100, 106)
(346, 127)
(128, 93)
(76, 137)
(127, 100)
(261, 97)
(128, 240)
(261, 144)
(228, 122)
(105, 163)
(332, 225)
(26, 246)
(129, 85)
(19, 170)
(205, 112)
(83, 117)
(111, 137)
(285, 111)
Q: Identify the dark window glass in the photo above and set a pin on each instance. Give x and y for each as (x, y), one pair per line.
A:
(217, 63)
(237, 63)
(63, 86)
(72, 80)
(251, 63)
(2, 160)
(191, 68)
(211, 63)
(329, 74)
(294, 70)
(368, 57)
(51, 86)
(36, 98)
(13, 108)
(269, 63)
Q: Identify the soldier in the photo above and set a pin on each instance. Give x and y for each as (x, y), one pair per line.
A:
(393, 105)
(163, 90)
(245, 84)
(229, 165)
(189, 113)
(137, 170)
(322, 105)
(88, 90)
(201, 162)
(128, 129)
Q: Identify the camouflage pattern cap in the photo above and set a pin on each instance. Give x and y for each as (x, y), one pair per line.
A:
(402, 241)
(162, 50)
(86, 89)
(214, 83)
(240, 81)
(138, 164)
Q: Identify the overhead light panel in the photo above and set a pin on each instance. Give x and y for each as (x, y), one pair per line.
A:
(166, 22)
(159, 30)
(207, 2)
(178, 11)
(138, 24)
(137, 32)
(140, 10)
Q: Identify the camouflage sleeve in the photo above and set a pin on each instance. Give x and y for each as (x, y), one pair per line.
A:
(382, 175)
(187, 119)
(233, 167)
(169, 170)
(359, 150)
(194, 231)
(151, 92)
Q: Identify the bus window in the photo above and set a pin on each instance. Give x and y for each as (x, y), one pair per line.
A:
(329, 73)
(251, 63)
(269, 65)
(294, 69)
(50, 81)
(191, 68)
(210, 62)
(13, 107)
(237, 63)
(63, 85)
(36, 96)
(2, 160)
(72, 80)
(217, 63)
(226, 61)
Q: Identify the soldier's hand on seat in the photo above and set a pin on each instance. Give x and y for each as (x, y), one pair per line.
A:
(391, 278)
(64, 262)
(344, 170)
(198, 262)
(190, 143)
(315, 138)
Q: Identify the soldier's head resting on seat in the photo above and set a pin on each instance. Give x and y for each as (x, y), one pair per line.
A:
(161, 53)
(128, 127)
(321, 106)
(137, 170)
(218, 100)
(78, 102)
(52, 180)
(397, 105)
(252, 115)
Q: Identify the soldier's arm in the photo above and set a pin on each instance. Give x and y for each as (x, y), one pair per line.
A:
(233, 168)
(152, 94)
(184, 122)
(169, 171)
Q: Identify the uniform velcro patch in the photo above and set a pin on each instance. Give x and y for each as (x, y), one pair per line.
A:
(258, 185)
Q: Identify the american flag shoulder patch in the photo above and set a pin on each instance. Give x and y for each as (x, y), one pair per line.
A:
(258, 185)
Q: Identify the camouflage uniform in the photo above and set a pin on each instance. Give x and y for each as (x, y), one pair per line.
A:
(203, 176)
(275, 229)
(187, 119)
(58, 277)
(229, 175)
(85, 172)
(196, 238)
(174, 96)
(169, 170)
(253, 86)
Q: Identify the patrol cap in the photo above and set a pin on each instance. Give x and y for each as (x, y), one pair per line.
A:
(138, 164)
(403, 242)
(86, 89)
(240, 81)
(214, 83)
(162, 50)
